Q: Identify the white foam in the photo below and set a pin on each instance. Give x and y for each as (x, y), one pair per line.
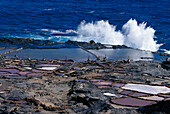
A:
(58, 32)
(49, 9)
(60, 38)
(166, 51)
(91, 11)
(139, 36)
(100, 31)
(132, 34)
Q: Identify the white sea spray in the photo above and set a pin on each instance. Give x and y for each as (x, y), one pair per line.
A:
(132, 34)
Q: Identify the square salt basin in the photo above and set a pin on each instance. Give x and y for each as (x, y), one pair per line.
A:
(47, 68)
(76, 54)
(39, 71)
(15, 77)
(153, 98)
(104, 87)
(138, 94)
(60, 74)
(3, 72)
(164, 95)
(10, 74)
(117, 85)
(80, 80)
(103, 83)
(47, 65)
(23, 73)
(147, 88)
(96, 80)
(126, 92)
(134, 102)
(9, 70)
(34, 74)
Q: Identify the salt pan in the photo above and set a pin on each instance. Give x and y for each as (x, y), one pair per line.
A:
(147, 88)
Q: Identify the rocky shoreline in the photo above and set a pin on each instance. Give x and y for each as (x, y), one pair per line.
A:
(47, 44)
(30, 43)
(93, 86)
(55, 86)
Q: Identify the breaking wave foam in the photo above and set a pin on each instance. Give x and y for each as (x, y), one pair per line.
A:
(166, 51)
(58, 32)
(132, 34)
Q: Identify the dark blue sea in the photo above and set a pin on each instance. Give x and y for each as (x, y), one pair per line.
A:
(142, 24)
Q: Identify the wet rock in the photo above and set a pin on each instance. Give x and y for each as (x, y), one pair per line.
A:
(119, 46)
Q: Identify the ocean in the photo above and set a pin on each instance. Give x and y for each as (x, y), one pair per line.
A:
(142, 24)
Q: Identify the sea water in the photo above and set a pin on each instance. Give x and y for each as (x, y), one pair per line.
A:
(141, 24)
(75, 54)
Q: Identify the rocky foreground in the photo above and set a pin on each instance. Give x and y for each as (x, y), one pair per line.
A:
(53, 86)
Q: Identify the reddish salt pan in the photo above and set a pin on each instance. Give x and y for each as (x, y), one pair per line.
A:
(3, 72)
(25, 65)
(80, 80)
(15, 77)
(41, 71)
(104, 87)
(103, 83)
(117, 85)
(23, 73)
(154, 98)
(126, 92)
(10, 74)
(10, 70)
(118, 69)
(166, 96)
(138, 94)
(34, 74)
(132, 102)
(60, 74)
(96, 80)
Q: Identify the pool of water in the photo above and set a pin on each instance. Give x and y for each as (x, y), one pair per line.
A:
(75, 54)
(114, 54)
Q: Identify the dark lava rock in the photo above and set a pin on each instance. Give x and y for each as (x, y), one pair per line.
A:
(160, 107)
(119, 46)
(87, 99)
(166, 65)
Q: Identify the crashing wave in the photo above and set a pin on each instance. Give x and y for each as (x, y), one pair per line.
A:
(132, 34)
